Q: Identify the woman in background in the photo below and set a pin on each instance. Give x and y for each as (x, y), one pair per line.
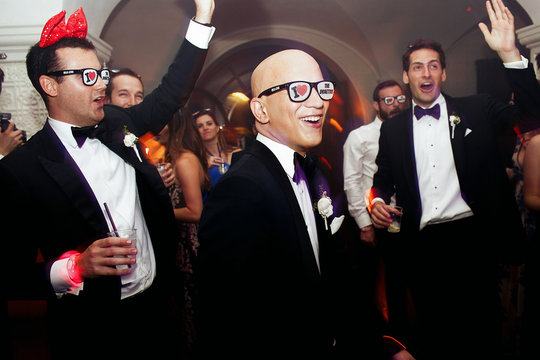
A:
(218, 151)
(187, 154)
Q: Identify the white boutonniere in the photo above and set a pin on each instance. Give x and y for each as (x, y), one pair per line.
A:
(454, 121)
(325, 208)
(130, 140)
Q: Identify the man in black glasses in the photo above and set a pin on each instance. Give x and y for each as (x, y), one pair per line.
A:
(359, 153)
(460, 219)
(84, 175)
(360, 150)
(272, 282)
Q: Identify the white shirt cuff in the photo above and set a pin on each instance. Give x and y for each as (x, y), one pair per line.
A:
(523, 64)
(60, 280)
(378, 199)
(199, 34)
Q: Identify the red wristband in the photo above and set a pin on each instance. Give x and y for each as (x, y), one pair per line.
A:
(73, 270)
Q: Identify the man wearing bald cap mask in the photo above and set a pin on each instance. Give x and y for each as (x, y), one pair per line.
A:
(271, 274)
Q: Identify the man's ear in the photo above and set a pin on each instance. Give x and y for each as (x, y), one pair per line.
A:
(49, 85)
(259, 111)
(376, 106)
(405, 77)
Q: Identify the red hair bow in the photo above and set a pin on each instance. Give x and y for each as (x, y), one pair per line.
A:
(55, 29)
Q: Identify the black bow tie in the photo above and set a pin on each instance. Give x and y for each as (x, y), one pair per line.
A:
(434, 111)
(82, 133)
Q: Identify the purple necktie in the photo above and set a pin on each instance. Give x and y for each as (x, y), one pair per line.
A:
(434, 111)
(299, 173)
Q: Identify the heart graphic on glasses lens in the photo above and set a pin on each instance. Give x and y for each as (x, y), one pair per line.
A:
(301, 89)
(92, 76)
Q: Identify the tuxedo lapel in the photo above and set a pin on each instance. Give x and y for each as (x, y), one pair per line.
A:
(409, 158)
(272, 164)
(64, 171)
(114, 140)
(458, 140)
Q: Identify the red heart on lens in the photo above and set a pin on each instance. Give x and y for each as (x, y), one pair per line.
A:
(92, 76)
(301, 89)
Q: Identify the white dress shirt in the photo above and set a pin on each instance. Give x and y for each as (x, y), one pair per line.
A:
(113, 182)
(438, 182)
(359, 153)
(285, 156)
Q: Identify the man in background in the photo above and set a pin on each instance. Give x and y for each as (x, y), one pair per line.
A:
(126, 89)
(359, 153)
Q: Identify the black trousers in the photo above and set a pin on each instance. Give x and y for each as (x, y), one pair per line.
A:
(141, 326)
(453, 280)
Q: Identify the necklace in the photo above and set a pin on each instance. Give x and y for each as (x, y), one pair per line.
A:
(219, 151)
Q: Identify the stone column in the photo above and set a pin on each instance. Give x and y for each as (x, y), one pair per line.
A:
(530, 37)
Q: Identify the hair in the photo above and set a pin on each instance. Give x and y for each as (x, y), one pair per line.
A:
(184, 136)
(384, 85)
(422, 44)
(41, 61)
(115, 73)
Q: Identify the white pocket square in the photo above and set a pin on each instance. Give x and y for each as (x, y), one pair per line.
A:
(468, 131)
(336, 224)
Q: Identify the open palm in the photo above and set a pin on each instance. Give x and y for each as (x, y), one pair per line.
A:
(502, 36)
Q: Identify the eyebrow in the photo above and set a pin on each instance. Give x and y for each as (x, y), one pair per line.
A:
(426, 62)
(123, 89)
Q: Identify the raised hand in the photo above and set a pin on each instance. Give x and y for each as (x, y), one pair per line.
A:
(205, 9)
(502, 38)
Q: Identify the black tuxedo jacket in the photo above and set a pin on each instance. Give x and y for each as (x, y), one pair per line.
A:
(51, 208)
(260, 291)
(482, 178)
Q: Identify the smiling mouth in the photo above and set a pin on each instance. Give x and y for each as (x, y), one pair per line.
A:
(315, 119)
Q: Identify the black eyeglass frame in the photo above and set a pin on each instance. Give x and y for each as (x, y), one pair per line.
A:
(277, 88)
(400, 99)
(104, 74)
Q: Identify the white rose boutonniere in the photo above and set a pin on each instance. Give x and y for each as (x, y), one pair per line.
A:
(454, 121)
(324, 205)
(130, 140)
(326, 209)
